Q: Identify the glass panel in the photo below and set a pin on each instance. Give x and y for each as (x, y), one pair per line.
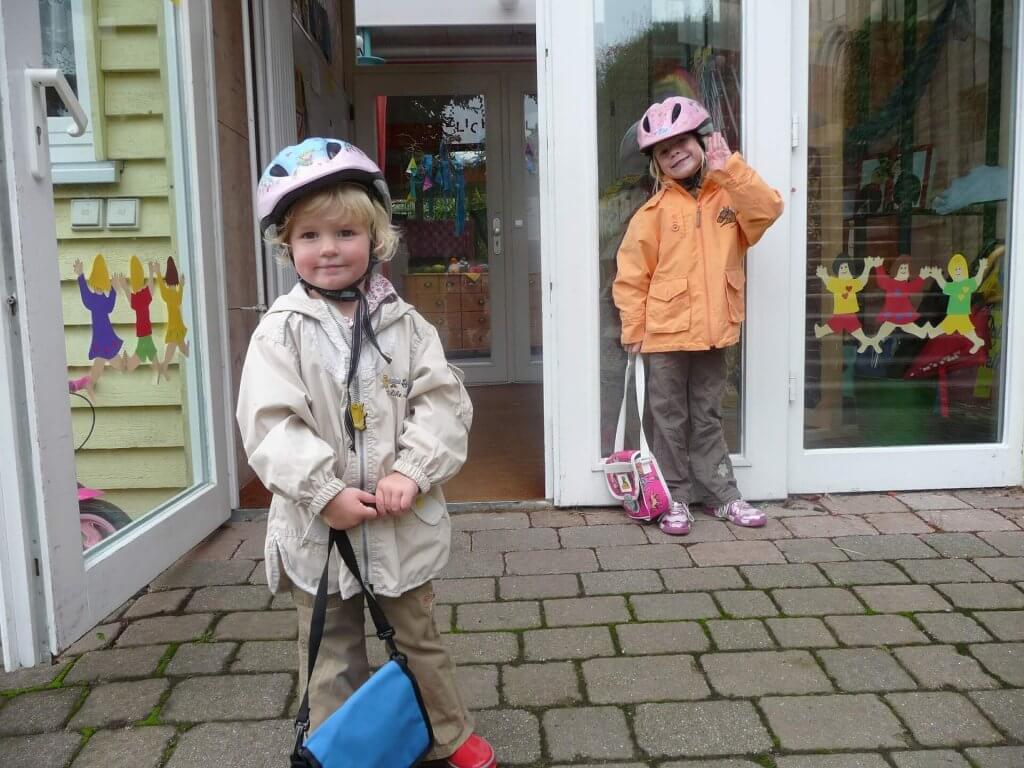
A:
(910, 145)
(646, 52)
(127, 269)
(435, 161)
(531, 190)
(56, 20)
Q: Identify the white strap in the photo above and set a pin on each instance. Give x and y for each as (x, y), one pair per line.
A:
(634, 362)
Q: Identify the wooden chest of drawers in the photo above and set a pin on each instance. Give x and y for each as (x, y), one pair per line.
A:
(458, 305)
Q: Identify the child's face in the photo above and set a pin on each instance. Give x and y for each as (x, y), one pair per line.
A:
(844, 270)
(329, 250)
(903, 272)
(679, 157)
(958, 272)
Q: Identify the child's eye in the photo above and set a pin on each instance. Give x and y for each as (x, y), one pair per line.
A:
(347, 232)
(308, 236)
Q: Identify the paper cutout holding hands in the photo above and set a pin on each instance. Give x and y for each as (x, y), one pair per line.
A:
(844, 288)
(959, 290)
(898, 312)
(99, 298)
(172, 291)
(138, 292)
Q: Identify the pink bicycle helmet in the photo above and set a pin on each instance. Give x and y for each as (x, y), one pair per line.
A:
(311, 165)
(674, 116)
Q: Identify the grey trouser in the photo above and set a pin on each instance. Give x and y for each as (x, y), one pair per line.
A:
(684, 393)
(341, 664)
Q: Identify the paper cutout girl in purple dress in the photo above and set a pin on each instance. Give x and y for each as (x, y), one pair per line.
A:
(99, 297)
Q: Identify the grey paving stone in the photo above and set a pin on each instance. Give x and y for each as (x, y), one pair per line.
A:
(643, 678)
(571, 643)
(983, 596)
(828, 526)
(478, 685)
(712, 728)
(746, 603)
(604, 517)
(958, 545)
(237, 598)
(234, 697)
(1003, 659)
(118, 703)
(801, 633)
(514, 734)
(897, 522)
(769, 576)
(1005, 625)
(448, 591)
(266, 656)
(541, 685)
(116, 664)
(164, 629)
(534, 587)
(762, 673)
(806, 723)
(479, 617)
(621, 582)
(954, 520)
(901, 598)
(95, 639)
(703, 529)
(773, 529)
(253, 745)
(707, 764)
(952, 627)
(997, 757)
(38, 711)
(602, 536)
(736, 553)
(475, 564)
(861, 670)
(524, 540)
(943, 719)
(673, 606)
(157, 603)
(898, 546)
(580, 611)
(555, 561)
(643, 556)
(859, 760)
(861, 503)
(933, 758)
(137, 747)
(875, 630)
(931, 500)
(587, 733)
(482, 647)
(702, 579)
(30, 677)
(259, 576)
(942, 666)
(54, 750)
(739, 634)
(556, 518)
(942, 570)
(1002, 568)
(794, 506)
(205, 573)
(1007, 542)
(1001, 498)
(489, 521)
(200, 659)
(811, 551)
(865, 572)
(1005, 709)
(668, 637)
(816, 601)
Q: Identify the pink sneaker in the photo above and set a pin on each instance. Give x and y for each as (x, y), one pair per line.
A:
(676, 522)
(475, 752)
(741, 513)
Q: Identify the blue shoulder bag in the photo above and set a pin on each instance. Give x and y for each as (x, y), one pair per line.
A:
(384, 724)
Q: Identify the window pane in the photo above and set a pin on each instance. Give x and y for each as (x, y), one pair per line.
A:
(56, 20)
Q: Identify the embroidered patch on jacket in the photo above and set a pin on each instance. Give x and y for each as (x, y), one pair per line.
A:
(726, 216)
(394, 386)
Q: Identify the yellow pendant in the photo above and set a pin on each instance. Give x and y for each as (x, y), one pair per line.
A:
(358, 413)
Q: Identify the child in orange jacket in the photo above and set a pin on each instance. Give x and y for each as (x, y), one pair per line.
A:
(679, 290)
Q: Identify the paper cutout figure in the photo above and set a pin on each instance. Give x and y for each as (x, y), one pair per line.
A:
(959, 290)
(172, 290)
(138, 292)
(844, 288)
(99, 298)
(898, 312)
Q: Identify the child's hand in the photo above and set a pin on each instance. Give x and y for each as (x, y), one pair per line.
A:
(395, 494)
(348, 509)
(78, 267)
(633, 349)
(821, 272)
(717, 152)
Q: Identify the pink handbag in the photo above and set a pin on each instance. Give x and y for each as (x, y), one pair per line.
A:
(633, 477)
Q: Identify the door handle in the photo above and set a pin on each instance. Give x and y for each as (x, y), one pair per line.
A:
(36, 83)
(496, 235)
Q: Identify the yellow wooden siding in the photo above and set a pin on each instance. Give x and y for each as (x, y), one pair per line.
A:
(135, 389)
(136, 138)
(116, 250)
(129, 13)
(128, 427)
(133, 468)
(129, 50)
(136, 93)
(138, 502)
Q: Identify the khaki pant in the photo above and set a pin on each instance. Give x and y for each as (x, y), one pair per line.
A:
(684, 392)
(341, 664)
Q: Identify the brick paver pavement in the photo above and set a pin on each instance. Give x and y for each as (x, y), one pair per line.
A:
(878, 630)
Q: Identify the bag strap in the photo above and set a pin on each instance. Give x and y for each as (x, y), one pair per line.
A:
(634, 364)
(339, 540)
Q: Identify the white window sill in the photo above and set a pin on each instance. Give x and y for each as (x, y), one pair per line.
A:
(98, 172)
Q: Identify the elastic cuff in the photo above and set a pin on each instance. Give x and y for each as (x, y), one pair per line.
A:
(324, 496)
(414, 473)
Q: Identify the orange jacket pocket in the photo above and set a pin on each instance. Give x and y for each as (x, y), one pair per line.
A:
(736, 281)
(668, 306)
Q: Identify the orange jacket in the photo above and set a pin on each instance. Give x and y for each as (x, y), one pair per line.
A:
(680, 280)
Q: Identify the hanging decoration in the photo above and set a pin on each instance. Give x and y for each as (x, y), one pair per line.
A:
(844, 288)
(99, 298)
(959, 289)
(172, 291)
(898, 311)
(138, 291)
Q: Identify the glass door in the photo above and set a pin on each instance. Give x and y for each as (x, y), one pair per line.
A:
(908, 334)
(116, 297)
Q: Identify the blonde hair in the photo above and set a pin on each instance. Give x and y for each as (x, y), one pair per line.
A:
(956, 260)
(136, 277)
(345, 201)
(99, 276)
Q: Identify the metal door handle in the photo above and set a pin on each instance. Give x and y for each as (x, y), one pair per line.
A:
(496, 234)
(36, 83)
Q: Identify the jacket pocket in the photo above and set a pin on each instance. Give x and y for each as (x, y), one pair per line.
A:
(735, 282)
(428, 509)
(668, 306)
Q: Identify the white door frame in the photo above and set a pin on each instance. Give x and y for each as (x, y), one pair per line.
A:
(78, 589)
(904, 467)
(569, 226)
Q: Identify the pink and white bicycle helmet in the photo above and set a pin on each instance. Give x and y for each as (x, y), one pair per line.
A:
(311, 165)
(674, 116)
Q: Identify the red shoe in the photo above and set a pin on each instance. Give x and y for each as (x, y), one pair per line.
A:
(474, 753)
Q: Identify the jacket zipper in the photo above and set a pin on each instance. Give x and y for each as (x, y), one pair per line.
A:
(698, 215)
(362, 484)
(704, 268)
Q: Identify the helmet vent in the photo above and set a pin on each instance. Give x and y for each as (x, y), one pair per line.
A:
(279, 170)
(676, 111)
(647, 124)
(333, 148)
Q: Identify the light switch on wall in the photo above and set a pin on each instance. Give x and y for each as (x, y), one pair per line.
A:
(86, 214)
(123, 213)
